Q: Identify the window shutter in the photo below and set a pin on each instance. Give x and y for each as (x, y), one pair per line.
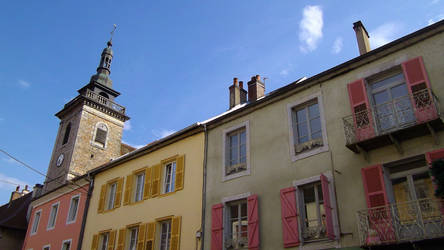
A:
(112, 240)
(155, 186)
(374, 186)
(327, 208)
(419, 89)
(360, 107)
(290, 231)
(180, 171)
(150, 235)
(253, 222)
(100, 136)
(141, 237)
(128, 190)
(121, 241)
(118, 199)
(95, 242)
(147, 184)
(175, 233)
(434, 155)
(102, 199)
(217, 226)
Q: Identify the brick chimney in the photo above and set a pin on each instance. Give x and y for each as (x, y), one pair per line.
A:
(256, 88)
(238, 94)
(15, 194)
(37, 190)
(362, 37)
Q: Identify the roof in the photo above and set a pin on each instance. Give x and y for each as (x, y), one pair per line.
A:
(13, 214)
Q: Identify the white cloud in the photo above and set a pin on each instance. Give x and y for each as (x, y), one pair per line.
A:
(127, 126)
(383, 34)
(310, 28)
(8, 183)
(161, 133)
(337, 45)
(436, 19)
(24, 84)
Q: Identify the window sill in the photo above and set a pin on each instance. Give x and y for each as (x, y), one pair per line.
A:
(236, 175)
(166, 194)
(71, 221)
(314, 151)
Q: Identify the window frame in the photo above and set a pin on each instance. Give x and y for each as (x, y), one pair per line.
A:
(65, 241)
(108, 195)
(225, 141)
(56, 204)
(102, 234)
(226, 201)
(142, 187)
(300, 103)
(161, 222)
(129, 230)
(68, 221)
(172, 181)
(38, 222)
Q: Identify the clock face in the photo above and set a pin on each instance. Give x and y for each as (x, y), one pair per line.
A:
(60, 160)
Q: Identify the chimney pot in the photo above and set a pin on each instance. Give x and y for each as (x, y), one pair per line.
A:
(256, 88)
(241, 84)
(361, 37)
(17, 188)
(258, 77)
(238, 95)
(235, 81)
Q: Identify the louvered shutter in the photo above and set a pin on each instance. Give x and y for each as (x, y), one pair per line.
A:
(434, 155)
(180, 172)
(419, 89)
(102, 199)
(150, 236)
(100, 136)
(155, 186)
(147, 184)
(327, 208)
(289, 214)
(253, 222)
(128, 190)
(217, 228)
(95, 242)
(118, 199)
(141, 237)
(374, 186)
(112, 240)
(121, 240)
(175, 233)
(360, 106)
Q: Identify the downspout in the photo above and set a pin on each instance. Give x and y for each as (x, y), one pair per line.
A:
(85, 213)
(204, 187)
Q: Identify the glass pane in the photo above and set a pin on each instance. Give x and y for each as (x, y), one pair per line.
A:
(399, 91)
(316, 135)
(313, 110)
(244, 210)
(301, 115)
(243, 154)
(234, 212)
(302, 130)
(233, 140)
(423, 186)
(381, 97)
(401, 190)
(302, 139)
(234, 156)
(387, 81)
(315, 125)
(243, 137)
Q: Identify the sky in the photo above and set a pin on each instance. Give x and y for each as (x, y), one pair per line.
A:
(173, 60)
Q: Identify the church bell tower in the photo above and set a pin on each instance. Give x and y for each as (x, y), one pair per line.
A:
(90, 130)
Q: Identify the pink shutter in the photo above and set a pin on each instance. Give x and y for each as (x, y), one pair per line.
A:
(419, 89)
(434, 155)
(253, 222)
(290, 231)
(374, 187)
(327, 207)
(360, 107)
(217, 228)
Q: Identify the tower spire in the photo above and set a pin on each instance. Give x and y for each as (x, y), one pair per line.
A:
(104, 68)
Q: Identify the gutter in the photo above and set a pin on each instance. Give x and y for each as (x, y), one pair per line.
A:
(204, 190)
(85, 212)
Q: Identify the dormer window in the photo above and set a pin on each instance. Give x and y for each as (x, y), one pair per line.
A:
(101, 134)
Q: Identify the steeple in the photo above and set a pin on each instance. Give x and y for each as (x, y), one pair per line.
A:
(104, 69)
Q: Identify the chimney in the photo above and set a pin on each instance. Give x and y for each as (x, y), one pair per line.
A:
(256, 88)
(37, 190)
(362, 37)
(238, 94)
(25, 190)
(15, 194)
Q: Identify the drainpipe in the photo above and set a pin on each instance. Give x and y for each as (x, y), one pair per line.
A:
(204, 187)
(85, 213)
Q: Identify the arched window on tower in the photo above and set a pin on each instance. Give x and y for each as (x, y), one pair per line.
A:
(104, 95)
(67, 132)
(101, 134)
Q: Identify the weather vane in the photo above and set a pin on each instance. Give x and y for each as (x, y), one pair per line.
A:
(112, 32)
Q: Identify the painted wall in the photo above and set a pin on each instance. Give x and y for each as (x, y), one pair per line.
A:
(62, 230)
(186, 203)
(270, 160)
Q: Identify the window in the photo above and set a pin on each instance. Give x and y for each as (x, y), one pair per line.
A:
(35, 223)
(47, 247)
(237, 231)
(66, 245)
(101, 134)
(236, 151)
(140, 181)
(66, 136)
(165, 234)
(73, 207)
(53, 216)
(313, 212)
(111, 196)
(169, 177)
(104, 239)
(132, 240)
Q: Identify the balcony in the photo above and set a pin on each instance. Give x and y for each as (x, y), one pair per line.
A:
(400, 119)
(105, 102)
(401, 222)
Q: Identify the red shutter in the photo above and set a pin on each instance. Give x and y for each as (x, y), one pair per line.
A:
(360, 107)
(253, 222)
(290, 232)
(419, 89)
(434, 155)
(217, 226)
(327, 208)
(374, 186)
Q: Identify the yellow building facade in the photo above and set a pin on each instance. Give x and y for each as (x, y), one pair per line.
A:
(150, 198)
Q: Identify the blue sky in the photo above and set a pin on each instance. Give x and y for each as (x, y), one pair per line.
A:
(173, 60)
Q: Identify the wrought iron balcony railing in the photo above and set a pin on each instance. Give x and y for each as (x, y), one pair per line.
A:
(401, 222)
(385, 118)
(105, 101)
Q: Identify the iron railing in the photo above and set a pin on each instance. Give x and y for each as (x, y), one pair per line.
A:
(105, 101)
(401, 222)
(387, 117)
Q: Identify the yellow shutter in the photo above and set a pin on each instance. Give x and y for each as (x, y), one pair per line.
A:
(102, 199)
(95, 242)
(150, 235)
(175, 233)
(128, 190)
(121, 241)
(118, 199)
(155, 186)
(147, 185)
(180, 172)
(141, 237)
(112, 240)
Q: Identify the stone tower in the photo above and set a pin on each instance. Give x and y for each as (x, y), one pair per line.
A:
(90, 130)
